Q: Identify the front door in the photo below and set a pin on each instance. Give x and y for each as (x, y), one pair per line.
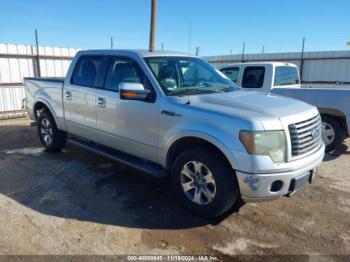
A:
(127, 125)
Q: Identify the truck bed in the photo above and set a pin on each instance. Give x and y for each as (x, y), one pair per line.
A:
(44, 89)
(337, 99)
(325, 85)
(46, 79)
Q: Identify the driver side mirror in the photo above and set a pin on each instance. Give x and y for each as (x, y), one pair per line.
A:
(133, 91)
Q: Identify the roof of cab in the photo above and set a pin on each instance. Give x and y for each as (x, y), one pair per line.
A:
(140, 52)
(257, 63)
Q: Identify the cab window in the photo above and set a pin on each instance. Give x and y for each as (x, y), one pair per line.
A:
(253, 77)
(232, 73)
(87, 70)
(123, 70)
(286, 75)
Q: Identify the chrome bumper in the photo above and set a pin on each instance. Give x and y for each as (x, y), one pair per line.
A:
(262, 187)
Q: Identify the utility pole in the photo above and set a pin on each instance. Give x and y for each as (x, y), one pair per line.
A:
(111, 42)
(153, 25)
(302, 60)
(162, 46)
(37, 54)
(243, 49)
(189, 38)
(263, 49)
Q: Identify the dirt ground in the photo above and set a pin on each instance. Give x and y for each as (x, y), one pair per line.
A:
(75, 202)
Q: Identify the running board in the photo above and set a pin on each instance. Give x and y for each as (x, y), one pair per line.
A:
(123, 158)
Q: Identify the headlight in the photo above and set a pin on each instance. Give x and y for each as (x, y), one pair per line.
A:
(271, 143)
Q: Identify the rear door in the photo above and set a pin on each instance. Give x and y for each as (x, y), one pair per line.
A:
(79, 95)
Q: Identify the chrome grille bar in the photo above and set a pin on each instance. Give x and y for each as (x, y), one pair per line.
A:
(305, 135)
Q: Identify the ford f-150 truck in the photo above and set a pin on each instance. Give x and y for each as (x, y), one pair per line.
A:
(333, 102)
(169, 113)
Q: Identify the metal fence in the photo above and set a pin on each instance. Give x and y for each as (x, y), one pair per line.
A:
(11, 101)
(315, 67)
(19, 61)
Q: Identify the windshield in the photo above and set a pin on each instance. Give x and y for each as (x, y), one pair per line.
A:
(188, 76)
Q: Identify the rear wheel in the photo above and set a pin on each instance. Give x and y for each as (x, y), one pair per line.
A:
(50, 136)
(204, 182)
(333, 134)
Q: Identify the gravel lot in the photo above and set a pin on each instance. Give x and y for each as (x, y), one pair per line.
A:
(75, 202)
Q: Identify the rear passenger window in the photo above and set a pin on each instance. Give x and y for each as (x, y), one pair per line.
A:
(86, 71)
(253, 77)
(232, 73)
(123, 70)
(286, 75)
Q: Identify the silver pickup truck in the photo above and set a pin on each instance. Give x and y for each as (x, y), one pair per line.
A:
(333, 102)
(163, 112)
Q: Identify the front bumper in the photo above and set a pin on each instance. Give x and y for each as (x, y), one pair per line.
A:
(261, 187)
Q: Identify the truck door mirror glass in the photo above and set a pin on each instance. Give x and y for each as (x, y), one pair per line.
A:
(133, 91)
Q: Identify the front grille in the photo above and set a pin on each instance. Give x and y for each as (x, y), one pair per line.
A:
(305, 135)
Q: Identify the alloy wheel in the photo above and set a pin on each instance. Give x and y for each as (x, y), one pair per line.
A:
(328, 133)
(198, 183)
(46, 131)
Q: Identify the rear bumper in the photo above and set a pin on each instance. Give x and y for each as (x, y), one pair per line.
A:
(27, 109)
(262, 187)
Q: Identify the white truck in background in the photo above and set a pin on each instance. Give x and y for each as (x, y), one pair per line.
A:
(279, 78)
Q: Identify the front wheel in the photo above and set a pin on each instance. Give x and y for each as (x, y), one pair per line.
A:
(204, 182)
(50, 136)
(333, 134)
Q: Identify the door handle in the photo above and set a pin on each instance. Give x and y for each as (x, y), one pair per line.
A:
(68, 95)
(169, 113)
(101, 102)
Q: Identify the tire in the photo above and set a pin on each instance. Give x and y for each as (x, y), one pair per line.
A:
(333, 134)
(223, 194)
(50, 136)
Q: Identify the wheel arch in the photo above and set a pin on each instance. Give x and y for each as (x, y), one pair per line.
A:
(41, 104)
(191, 141)
(38, 107)
(337, 115)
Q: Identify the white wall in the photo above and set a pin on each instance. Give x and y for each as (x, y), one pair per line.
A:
(13, 68)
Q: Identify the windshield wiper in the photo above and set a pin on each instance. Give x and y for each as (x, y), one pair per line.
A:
(184, 89)
(199, 89)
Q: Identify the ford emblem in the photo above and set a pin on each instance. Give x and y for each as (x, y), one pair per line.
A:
(315, 132)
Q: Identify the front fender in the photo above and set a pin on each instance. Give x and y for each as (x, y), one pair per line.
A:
(222, 140)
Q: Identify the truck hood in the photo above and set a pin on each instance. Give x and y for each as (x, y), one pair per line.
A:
(249, 105)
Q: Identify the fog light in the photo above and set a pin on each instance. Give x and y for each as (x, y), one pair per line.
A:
(276, 186)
